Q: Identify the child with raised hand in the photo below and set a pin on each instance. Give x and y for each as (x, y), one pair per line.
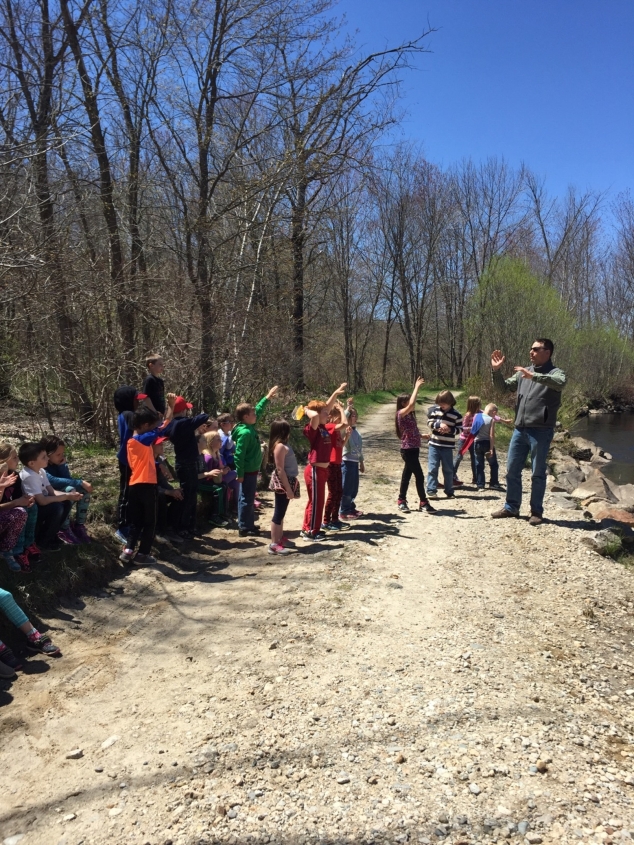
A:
(60, 478)
(284, 483)
(53, 505)
(126, 401)
(248, 459)
(316, 472)
(444, 421)
(142, 489)
(181, 430)
(36, 642)
(407, 429)
(352, 464)
(474, 405)
(154, 386)
(337, 427)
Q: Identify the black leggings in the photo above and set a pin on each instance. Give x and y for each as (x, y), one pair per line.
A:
(142, 516)
(281, 506)
(412, 467)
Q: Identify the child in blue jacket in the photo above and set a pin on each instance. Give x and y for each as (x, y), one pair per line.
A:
(59, 478)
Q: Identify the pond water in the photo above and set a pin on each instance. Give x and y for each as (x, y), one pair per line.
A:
(615, 434)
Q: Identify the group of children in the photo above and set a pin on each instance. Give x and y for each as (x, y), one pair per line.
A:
(476, 435)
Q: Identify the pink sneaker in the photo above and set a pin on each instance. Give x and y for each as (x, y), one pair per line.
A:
(67, 536)
(358, 514)
(276, 549)
(288, 543)
(79, 531)
(347, 516)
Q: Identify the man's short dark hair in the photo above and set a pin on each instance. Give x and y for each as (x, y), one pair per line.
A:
(30, 452)
(144, 416)
(546, 343)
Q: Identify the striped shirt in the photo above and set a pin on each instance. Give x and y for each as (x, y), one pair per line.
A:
(435, 418)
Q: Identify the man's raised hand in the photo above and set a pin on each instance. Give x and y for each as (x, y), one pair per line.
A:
(497, 359)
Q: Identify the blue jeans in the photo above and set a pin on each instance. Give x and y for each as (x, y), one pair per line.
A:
(481, 448)
(535, 441)
(439, 456)
(350, 476)
(246, 499)
(459, 459)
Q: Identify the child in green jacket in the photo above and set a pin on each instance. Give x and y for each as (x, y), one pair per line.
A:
(248, 457)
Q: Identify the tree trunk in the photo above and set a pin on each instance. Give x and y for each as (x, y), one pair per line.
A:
(297, 240)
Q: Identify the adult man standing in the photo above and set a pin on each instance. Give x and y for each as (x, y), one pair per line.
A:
(538, 399)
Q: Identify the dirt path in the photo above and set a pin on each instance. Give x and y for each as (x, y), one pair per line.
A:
(422, 678)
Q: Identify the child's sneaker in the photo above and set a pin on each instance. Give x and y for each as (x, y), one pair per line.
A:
(120, 536)
(432, 495)
(329, 526)
(6, 671)
(80, 532)
(315, 537)
(33, 553)
(149, 559)
(41, 644)
(8, 657)
(451, 495)
(24, 562)
(347, 516)
(288, 543)
(342, 526)
(403, 506)
(67, 536)
(219, 522)
(357, 513)
(425, 506)
(278, 549)
(11, 562)
(127, 555)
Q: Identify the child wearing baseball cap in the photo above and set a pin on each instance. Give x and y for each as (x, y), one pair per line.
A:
(182, 432)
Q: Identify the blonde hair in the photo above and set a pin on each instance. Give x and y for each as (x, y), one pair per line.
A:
(473, 404)
(209, 439)
(5, 450)
(491, 407)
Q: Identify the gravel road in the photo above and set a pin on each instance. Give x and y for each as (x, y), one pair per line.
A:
(421, 678)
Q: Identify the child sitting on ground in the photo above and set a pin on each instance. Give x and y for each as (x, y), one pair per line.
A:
(13, 513)
(60, 478)
(182, 432)
(53, 505)
(154, 386)
(24, 553)
(35, 642)
(444, 421)
(352, 465)
(248, 459)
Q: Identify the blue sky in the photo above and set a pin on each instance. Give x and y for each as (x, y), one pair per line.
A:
(547, 82)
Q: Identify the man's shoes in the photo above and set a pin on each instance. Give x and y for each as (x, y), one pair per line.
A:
(503, 514)
(535, 519)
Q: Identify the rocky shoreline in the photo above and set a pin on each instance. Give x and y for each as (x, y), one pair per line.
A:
(576, 481)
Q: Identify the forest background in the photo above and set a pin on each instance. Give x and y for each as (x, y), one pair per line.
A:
(216, 180)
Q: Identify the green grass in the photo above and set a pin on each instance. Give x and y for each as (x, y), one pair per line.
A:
(365, 403)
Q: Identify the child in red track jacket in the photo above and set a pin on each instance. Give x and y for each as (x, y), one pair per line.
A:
(316, 472)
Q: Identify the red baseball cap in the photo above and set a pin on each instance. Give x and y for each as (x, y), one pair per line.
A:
(160, 440)
(181, 405)
(141, 396)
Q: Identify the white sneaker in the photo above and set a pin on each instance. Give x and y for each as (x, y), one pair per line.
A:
(276, 549)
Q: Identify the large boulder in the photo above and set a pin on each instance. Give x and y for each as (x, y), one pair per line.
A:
(595, 486)
(626, 495)
(582, 449)
(568, 481)
(615, 515)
